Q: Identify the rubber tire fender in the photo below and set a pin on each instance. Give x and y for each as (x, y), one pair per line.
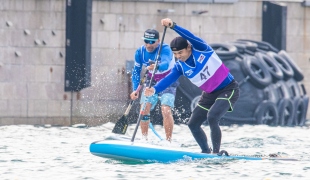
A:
(305, 99)
(300, 109)
(284, 65)
(286, 111)
(282, 89)
(272, 66)
(262, 45)
(266, 113)
(240, 47)
(258, 74)
(249, 46)
(298, 75)
(302, 121)
(293, 88)
(224, 51)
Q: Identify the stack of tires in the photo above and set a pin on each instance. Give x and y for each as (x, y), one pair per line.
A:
(271, 91)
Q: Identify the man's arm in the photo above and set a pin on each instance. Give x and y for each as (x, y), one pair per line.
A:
(135, 77)
(168, 80)
(166, 57)
(196, 41)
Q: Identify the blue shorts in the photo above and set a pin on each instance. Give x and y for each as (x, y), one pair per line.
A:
(165, 99)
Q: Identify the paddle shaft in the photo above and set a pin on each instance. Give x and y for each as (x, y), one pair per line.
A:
(138, 89)
(131, 102)
(121, 125)
(152, 77)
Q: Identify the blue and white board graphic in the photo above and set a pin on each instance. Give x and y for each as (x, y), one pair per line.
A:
(126, 150)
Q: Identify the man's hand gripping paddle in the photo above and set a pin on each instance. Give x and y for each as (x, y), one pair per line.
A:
(144, 104)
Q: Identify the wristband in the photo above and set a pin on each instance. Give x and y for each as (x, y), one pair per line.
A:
(173, 24)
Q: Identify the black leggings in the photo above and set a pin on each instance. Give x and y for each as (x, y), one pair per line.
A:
(212, 107)
(199, 115)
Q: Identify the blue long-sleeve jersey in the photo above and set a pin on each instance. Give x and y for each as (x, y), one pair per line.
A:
(142, 57)
(198, 45)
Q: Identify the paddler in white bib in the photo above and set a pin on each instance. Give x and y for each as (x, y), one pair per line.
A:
(201, 65)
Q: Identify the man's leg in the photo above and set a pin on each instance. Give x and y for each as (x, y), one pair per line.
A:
(198, 116)
(168, 121)
(150, 104)
(225, 101)
(145, 121)
(167, 103)
(219, 108)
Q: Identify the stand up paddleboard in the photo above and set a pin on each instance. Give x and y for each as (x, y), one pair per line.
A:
(142, 152)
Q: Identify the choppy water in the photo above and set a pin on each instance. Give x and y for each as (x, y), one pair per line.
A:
(29, 152)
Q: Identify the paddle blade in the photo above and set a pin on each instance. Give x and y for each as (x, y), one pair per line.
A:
(121, 126)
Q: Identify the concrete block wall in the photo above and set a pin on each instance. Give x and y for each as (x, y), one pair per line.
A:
(32, 52)
(32, 39)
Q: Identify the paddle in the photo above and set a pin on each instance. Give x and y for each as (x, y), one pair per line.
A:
(121, 125)
(144, 104)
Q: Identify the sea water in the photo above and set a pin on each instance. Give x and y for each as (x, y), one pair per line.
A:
(45, 152)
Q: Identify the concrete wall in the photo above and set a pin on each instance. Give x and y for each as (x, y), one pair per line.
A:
(32, 52)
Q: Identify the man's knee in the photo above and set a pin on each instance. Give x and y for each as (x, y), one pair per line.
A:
(166, 109)
(193, 126)
(213, 118)
(167, 99)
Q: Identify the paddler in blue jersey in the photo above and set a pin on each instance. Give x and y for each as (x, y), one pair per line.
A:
(201, 65)
(145, 56)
